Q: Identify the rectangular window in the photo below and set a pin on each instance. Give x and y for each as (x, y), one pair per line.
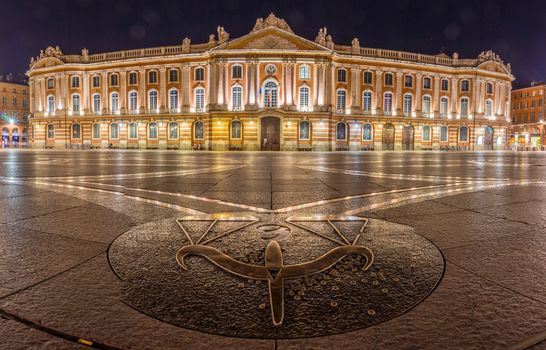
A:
(367, 101)
(340, 102)
(132, 78)
(388, 79)
(387, 104)
(75, 82)
(237, 72)
(341, 75)
(304, 130)
(173, 75)
(443, 134)
(443, 106)
(445, 85)
(96, 131)
(367, 77)
(114, 80)
(133, 130)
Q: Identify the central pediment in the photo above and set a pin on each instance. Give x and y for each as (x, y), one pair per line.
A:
(271, 38)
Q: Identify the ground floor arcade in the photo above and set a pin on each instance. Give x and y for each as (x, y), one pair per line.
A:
(268, 131)
(14, 135)
(530, 137)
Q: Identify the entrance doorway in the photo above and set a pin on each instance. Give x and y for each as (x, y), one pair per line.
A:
(407, 137)
(270, 134)
(488, 139)
(388, 137)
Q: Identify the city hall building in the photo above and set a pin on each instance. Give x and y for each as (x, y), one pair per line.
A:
(268, 90)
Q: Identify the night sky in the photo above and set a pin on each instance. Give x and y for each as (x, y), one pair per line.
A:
(516, 30)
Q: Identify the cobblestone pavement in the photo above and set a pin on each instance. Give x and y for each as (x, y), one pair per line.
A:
(88, 244)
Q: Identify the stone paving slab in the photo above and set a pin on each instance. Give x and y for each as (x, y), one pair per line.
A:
(17, 208)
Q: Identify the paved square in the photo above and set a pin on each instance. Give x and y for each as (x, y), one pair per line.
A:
(170, 250)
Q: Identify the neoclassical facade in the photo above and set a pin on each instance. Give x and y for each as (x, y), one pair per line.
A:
(271, 90)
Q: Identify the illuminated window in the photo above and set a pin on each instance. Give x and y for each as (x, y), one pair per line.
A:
(236, 129)
(304, 97)
(76, 103)
(464, 107)
(408, 104)
(444, 101)
(133, 97)
(463, 134)
(96, 131)
(114, 80)
(199, 74)
(96, 103)
(114, 102)
(488, 108)
(152, 77)
(50, 83)
(51, 104)
(270, 94)
(132, 78)
(445, 85)
(237, 71)
(198, 130)
(304, 130)
(408, 81)
(426, 105)
(465, 85)
(426, 133)
(75, 82)
(96, 81)
(237, 97)
(76, 131)
(173, 75)
(367, 132)
(114, 131)
(152, 131)
(199, 99)
(173, 130)
(341, 96)
(367, 101)
(50, 131)
(305, 72)
(341, 132)
(152, 100)
(173, 100)
(367, 77)
(133, 130)
(342, 75)
(427, 83)
(388, 79)
(443, 134)
(387, 103)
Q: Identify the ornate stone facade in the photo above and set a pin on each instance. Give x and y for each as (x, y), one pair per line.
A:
(269, 89)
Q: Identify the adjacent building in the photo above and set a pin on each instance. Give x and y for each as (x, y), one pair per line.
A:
(528, 110)
(269, 90)
(14, 110)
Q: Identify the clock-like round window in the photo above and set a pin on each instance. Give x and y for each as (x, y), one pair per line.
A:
(270, 69)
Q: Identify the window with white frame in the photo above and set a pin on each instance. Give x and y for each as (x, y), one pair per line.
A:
(305, 72)
(463, 134)
(367, 132)
(51, 104)
(388, 79)
(236, 97)
(367, 101)
(173, 100)
(96, 131)
(152, 130)
(341, 96)
(76, 131)
(50, 83)
(236, 71)
(114, 131)
(270, 94)
(427, 83)
(152, 77)
(199, 130)
(341, 75)
(444, 102)
(173, 130)
(304, 130)
(75, 103)
(96, 103)
(445, 85)
(408, 81)
(464, 107)
(341, 131)
(489, 88)
(199, 99)
(114, 102)
(173, 75)
(408, 104)
(426, 133)
(426, 105)
(152, 100)
(96, 81)
(114, 80)
(75, 82)
(236, 130)
(387, 103)
(133, 130)
(465, 85)
(443, 134)
(367, 77)
(304, 97)
(199, 74)
(133, 104)
(132, 78)
(488, 108)
(50, 131)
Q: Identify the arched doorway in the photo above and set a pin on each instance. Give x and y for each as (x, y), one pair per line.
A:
(407, 137)
(270, 134)
(388, 137)
(488, 139)
(15, 137)
(5, 137)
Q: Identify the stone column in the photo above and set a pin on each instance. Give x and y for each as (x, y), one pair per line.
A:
(123, 92)
(185, 89)
(105, 99)
(58, 93)
(251, 84)
(355, 90)
(85, 97)
(437, 87)
(321, 84)
(142, 91)
(399, 99)
(454, 94)
(418, 93)
(475, 96)
(496, 99)
(31, 91)
(220, 89)
(314, 93)
(43, 95)
(378, 96)
(162, 89)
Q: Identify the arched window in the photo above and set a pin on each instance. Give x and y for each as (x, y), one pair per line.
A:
(76, 131)
(488, 108)
(173, 75)
(199, 74)
(464, 107)
(114, 80)
(96, 81)
(133, 130)
(427, 83)
(341, 97)
(173, 100)
(96, 103)
(152, 101)
(96, 131)
(465, 85)
(173, 131)
(236, 97)
(199, 100)
(445, 85)
(463, 134)
(489, 88)
(304, 130)
(341, 131)
(271, 94)
(408, 81)
(25, 134)
(133, 78)
(305, 72)
(152, 131)
(408, 104)
(114, 131)
(304, 97)
(133, 104)
(367, 77)
(75, 81)
(236, 71)
(387, 103)
(426, 105)
(50, 131)
(51, 104)
(388, 79)
(443, 134)
(198, 130)
(152, 77)
(114, 102)
(444, 102)
(236, 130)
(367, 132)
(341, 75)
(367, 101)
(75, 103)
(50, 83)
(426, 133)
